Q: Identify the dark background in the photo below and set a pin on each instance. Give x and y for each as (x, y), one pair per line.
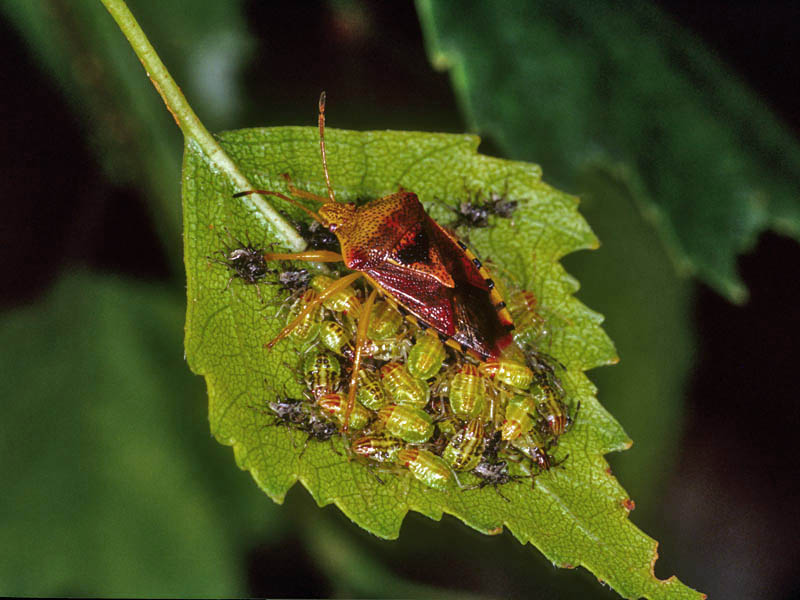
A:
(730, 508)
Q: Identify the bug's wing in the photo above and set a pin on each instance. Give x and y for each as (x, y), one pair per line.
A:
(481, 322)
(463, 312)
(423, 296)
(477, 326)
(416, 262)
(416, 251)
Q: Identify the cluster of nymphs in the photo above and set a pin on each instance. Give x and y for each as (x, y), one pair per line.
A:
(420, 404)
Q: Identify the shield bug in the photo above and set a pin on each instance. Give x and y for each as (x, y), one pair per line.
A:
(550, 406)
(307, 327)
(333, 403)
(370, 390)
(467, 391)
(291, 411)
(318, 237)
(518, 420)
(391, 350)
(402, 387)
(335, 338)
(246, 263)
(380, 448)
(342, 301)
(411, 424)
(508, 371)
(535, 448)
(426, 356)
(494, 444)
(385, 322)
(426, 467)
(464, 451)
(412, 261)
(322, 373)
(530, 326)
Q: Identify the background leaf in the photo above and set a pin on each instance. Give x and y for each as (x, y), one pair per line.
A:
(103, 407)
(580, 85)
(577, 515)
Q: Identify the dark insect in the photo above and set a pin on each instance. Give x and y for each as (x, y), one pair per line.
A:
(494, 474)
(249, 263)
(293, 280)
(289, 410)
(301, 416)
(493, 444)
(320, 429)
(476, 212)
(318, 237)
(246, 263)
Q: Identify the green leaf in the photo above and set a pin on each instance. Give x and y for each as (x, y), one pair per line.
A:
(110, 488)
(575, 515)
(581, 84)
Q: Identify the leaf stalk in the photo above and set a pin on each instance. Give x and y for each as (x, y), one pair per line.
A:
(189, 123)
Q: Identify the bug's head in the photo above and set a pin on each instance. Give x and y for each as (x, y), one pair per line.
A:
(335, 214)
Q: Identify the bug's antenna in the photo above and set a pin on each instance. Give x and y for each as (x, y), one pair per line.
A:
(322, 145)
(291, 201)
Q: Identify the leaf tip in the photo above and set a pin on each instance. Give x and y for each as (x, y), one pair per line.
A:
(441, 61)
(672, 580)
(737, 292)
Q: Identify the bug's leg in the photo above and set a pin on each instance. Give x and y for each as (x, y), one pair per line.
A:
(375, 475)
(361, 338)
(333, 448)
(330, 290)
(295, 191)
(499, 493)
(310, 256)
(574, 417)
(561, 462)
(305, 447)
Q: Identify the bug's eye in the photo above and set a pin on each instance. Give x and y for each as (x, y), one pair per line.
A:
(332, 228)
